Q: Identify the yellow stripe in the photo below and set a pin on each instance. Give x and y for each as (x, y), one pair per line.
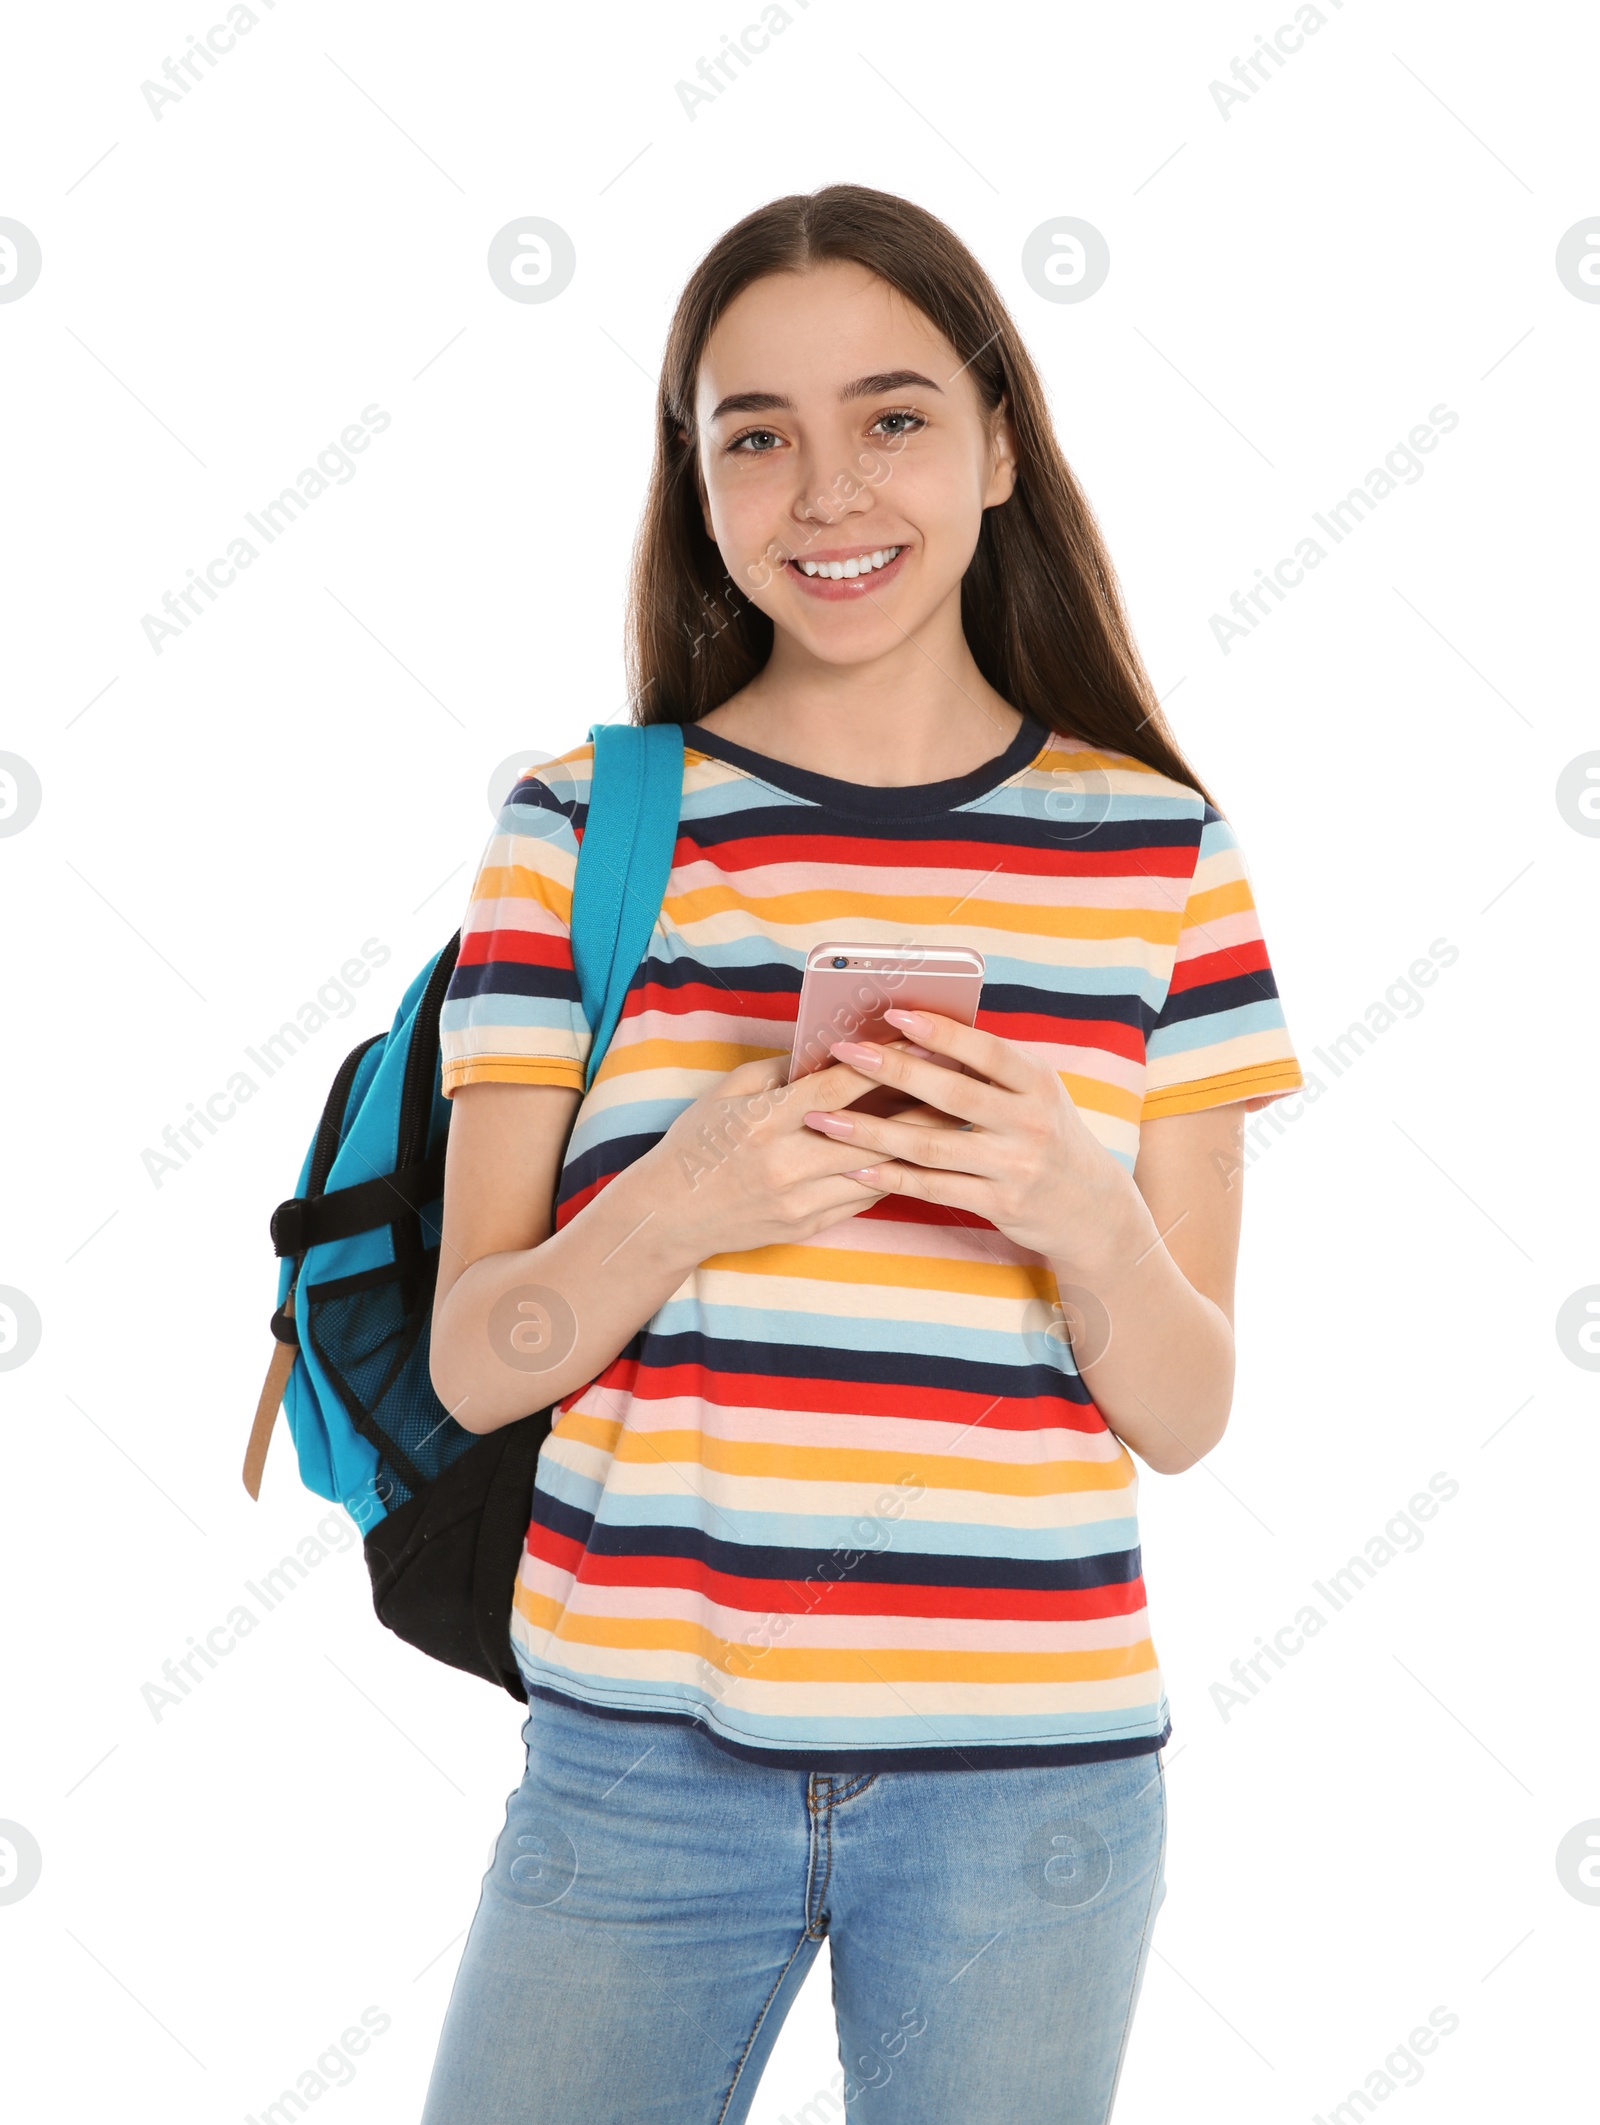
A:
(511, 1070)
(821, 906)
(778, 1663)
(601, 1432)
(1223, 1091)
(840, 1265)
(662, 1052)
(778, 1461)
(1233, 898)
(1061, 755)
(514, 881)
(714, 1058)
(1100, 1097)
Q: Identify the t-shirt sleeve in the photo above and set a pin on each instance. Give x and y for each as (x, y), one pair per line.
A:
(1220, 1035)
(513, 1012)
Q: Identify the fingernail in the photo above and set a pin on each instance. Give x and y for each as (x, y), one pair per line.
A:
(857, 1051)
(913, 1021)
(832, 1124)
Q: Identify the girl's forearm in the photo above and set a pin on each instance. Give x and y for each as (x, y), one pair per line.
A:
(1156, 1355)
(519, 1330)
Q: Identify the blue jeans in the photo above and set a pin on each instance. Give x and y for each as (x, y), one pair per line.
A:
(655, 1903)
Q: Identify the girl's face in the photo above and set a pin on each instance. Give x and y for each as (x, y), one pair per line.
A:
(845, 459)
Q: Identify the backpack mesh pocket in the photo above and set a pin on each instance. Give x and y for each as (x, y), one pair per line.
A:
(372, 1337)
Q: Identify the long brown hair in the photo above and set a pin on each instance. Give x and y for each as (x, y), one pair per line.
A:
(1040, 603)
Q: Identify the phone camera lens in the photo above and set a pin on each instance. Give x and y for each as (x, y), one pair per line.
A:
(841, 962)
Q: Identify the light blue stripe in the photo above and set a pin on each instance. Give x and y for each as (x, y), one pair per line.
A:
(741, 792)
(1215, 1028)
(556, 1013)
(537, 822)
(583, 1493)
(634, 1117)
(883, 1335)
(1073, 813)
(1051, 977)
(864, 1532)
(734, 956)
(764, 1730)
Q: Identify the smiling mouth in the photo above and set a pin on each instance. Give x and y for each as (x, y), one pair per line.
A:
(859, 564)
(846, 575)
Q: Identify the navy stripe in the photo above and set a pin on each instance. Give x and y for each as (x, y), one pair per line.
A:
(1206, 998)
(720, 1355)
(601, 1161)
(512, 977)
(976, 1756)
(1063, 838)
(767, 978)
(1070, 1006)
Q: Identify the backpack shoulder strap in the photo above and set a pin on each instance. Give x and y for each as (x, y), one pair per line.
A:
(624, 860)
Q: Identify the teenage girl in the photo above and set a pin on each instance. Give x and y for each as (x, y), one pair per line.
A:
(831, 1613)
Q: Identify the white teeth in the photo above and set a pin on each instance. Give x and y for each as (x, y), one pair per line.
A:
(862, 565)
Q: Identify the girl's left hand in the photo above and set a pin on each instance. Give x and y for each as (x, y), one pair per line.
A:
(1026, 1160)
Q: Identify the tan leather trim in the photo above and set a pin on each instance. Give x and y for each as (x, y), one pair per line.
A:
(272, 1392)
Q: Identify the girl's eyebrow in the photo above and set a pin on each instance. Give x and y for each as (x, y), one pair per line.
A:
(863, 387)
(890, 380)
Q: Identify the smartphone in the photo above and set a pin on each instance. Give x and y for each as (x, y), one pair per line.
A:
(846, 988)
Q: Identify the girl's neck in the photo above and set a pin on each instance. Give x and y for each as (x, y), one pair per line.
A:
(910, 718)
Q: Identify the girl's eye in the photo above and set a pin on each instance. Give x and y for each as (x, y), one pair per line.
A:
(760, 441)
(913, 422)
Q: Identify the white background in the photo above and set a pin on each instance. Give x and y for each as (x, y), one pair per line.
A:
(224, 289)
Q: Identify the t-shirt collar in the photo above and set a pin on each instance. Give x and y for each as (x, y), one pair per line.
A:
(868, 800)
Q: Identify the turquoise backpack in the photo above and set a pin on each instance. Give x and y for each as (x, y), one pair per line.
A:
(442, 1510)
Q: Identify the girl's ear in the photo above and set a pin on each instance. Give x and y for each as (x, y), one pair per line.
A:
(1002, 457)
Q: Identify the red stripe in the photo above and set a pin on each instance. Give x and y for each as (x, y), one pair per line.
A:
(569, 1206)
(551, 1548)
(523, 948)
(911, 1210)
(1065, 1031)
(713, 996)
(847, 1397)
(1250, 957)
(752, 852)
(906, 1210)
(777, 1010)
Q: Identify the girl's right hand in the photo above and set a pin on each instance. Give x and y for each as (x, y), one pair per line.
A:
(739, 1168)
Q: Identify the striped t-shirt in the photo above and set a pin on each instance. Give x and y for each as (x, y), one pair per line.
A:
(846, 1501)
